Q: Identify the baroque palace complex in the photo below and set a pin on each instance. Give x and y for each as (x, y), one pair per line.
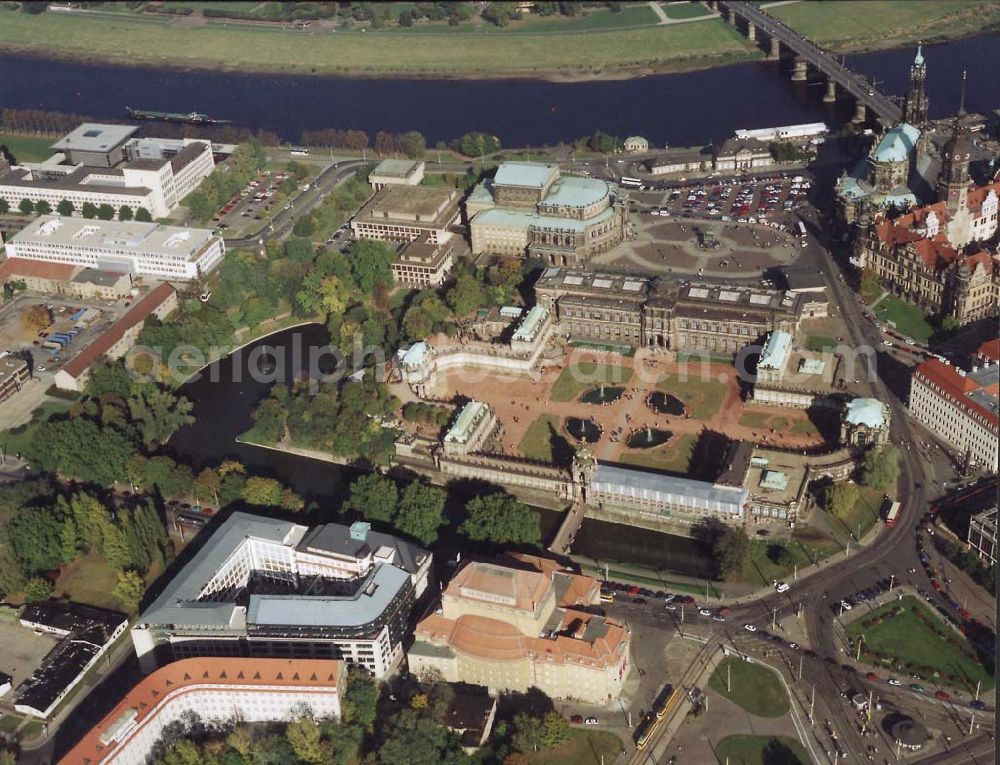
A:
(938, 253)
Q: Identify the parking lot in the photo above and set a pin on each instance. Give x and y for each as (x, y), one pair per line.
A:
(23, 650)
(750, 201)
(262, 198)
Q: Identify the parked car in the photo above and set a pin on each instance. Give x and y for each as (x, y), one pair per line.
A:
(943, 695)
(578, 719)
(871, 676)
(781, 587)
(592, 721)
(749, 628)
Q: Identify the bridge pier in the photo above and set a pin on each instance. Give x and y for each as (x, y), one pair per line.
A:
(800, 69)
(731, 16)
(831, 91)
(751, 31)
(713, 5)
(774, 53)
(860, 113)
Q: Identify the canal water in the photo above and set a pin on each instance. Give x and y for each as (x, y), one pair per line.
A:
(682, 109)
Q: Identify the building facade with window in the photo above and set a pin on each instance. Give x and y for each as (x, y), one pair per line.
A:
(267, 588)
(400, 213)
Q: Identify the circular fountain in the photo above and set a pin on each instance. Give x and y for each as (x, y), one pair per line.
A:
(647, 438)
(585, 430)
(664, 403)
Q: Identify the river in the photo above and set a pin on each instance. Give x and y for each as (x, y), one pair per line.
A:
(681, 109)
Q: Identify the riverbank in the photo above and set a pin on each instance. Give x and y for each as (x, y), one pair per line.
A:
(484, 53)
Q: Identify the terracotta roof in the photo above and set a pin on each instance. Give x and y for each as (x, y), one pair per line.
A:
(39, 269)
(957, 387)
(522, 590)
(990, 349)
(135, 315)
(978, 194)
(581, 590)
(146, 697)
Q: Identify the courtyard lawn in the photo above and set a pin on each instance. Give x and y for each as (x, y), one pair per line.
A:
(485, 52)
(804, 427)
(863, 515)
(703, 398)
(537, 441)
(672, 457)
(27, 148)
(760, 750)
(584, 375)
(803, 549)
(905, 317)
(819, 343)
(854, 24)
(915, 646)
(755, 688)
(585, 747)
(684, 10)
(89, 579)
(764, 420)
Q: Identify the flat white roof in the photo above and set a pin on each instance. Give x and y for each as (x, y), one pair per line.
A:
(95, 136)
(122, 236)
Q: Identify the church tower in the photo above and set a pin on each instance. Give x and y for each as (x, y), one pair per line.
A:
(953, 183)
(915, 108)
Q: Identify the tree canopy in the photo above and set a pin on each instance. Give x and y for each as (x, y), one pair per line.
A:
(502, 519)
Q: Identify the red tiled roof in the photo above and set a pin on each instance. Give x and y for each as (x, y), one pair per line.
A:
(955, 386)
(39, 269)
(135, 315)
(147, 695)
(990, 349)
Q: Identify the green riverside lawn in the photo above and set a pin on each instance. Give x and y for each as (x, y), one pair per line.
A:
(26, 148)
(757, 689)
(909, 640)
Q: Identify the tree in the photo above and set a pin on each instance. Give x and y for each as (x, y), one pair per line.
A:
(125, 213)
(839, 498)
(779, 555)
(555, 730)
(157, 413)
(299, 249)
(105, 212)
(304, 226)
(361, 699)
(870, 287)
(371, 263)
(142, 215)
(43, 208)
(730, 549)
(26, 206)
(80, 448)
(129, 590)
(374, 497)
(413, 144)
(4, 207)
(109, 378)
(262, 491)
(881, 468)
(421, 512)
(65, 208)
(466, 295)
(36, 539)
(37, 589)
(12, 577)
(89, 210)
(304, 737)
(405, 18)
(527, 733)
(501, 519)
(36, 317)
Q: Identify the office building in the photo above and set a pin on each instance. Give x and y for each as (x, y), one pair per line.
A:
(422, 263)
(982, 537)
(215, 691)
(960, 408)
(268, 588)
(528, 208)
(102, 164)
(399, 213)
(521, 623)
(140, 249)
(396, 172)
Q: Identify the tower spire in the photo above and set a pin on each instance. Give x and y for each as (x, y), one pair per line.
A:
(961, 103)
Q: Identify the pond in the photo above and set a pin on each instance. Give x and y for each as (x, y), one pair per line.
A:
(587, 431)
(647, 438)
(603, 394)
(664, 403)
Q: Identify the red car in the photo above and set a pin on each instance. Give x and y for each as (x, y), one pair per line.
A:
(577, 719)
(871, 676)
(633, 590)
(943, 695)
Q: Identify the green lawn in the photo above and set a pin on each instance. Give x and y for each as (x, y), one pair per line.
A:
(804, 548)
(909, 640)
(492, 53)
(863, 515)
(804, 427)
(851, 24)
(672, 457)
(537, 441)
(907, 319)
(819, 343)
(585, 747)
(760, 750)
(757, 689)
(577, 378)
(754, 419)
(684, 10)
(9, 723)
(26, 148)
(629, 16)
(89, 580)
(702, 398)
(16, 439)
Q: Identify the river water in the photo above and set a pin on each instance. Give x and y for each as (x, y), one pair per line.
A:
(681, 109)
